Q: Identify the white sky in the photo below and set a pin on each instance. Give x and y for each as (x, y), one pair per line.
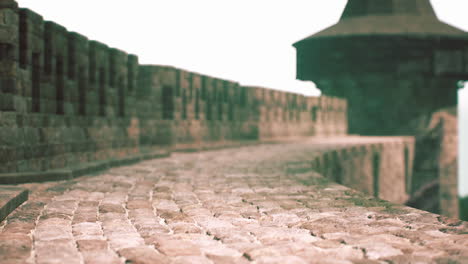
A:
(248, 41)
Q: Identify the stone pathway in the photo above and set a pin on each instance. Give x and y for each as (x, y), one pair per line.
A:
(252, 204)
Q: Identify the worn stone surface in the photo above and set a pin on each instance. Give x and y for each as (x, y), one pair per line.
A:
(251, 204)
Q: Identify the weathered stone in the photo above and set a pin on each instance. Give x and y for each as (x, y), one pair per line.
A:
(87, 229)
(92, 245)
(18, 227)
(53, 229)
(111, 208)
(138, 204)
(101, 257)
(280, 259)
(56, 251)
(191, 259)
(185, 228)
(143, 255)
(15, 246)
(177, 247)
(227, 259)
(83, 217)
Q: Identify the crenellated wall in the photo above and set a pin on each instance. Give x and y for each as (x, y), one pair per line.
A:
(67, 101)
(283, 114)
(202, 111)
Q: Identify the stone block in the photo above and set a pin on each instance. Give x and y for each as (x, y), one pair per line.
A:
(7, 102)
(143, 255)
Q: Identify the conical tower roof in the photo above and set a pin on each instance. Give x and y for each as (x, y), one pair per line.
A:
(389, 17)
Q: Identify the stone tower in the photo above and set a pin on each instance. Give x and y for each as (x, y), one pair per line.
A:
(398, 66)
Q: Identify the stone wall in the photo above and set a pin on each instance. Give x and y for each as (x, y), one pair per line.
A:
(377, 166)
(435, 186)
(202, 111)
(282, 114)
(67, 101)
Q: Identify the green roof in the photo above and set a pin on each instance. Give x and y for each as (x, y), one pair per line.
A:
(389, 17)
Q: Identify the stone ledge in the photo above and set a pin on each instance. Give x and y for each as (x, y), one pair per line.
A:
(77, 171)
(10, 199)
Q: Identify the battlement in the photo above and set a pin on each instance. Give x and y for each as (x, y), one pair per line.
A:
(64, 73)
(67, 100)
(206, 109)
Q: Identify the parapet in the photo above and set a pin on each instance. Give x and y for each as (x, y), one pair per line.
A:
(68, 100)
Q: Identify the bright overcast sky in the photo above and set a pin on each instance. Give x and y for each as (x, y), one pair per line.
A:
(248, 41)
(243, 40)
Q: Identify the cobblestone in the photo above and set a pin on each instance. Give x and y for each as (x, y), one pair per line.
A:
(227, 206)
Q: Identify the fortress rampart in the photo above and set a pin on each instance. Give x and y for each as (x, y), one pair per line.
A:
(70, 105)
(67, 101)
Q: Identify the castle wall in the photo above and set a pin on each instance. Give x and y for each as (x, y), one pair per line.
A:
(68, 101)
(205, 111)
(283, 115)
(381, 167)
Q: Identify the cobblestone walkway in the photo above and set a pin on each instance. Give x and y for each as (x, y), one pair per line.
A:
(251, 204)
